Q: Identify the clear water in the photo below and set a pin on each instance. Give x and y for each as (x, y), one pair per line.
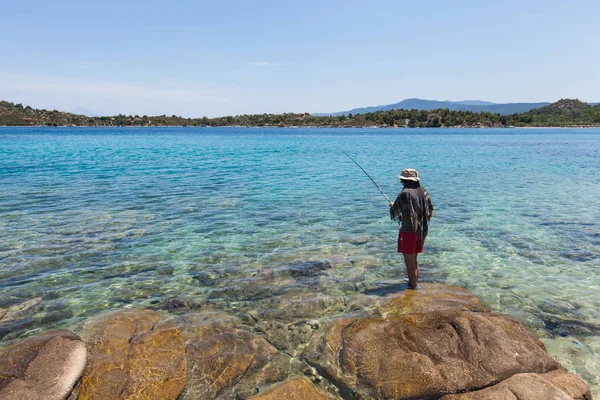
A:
(100, 218)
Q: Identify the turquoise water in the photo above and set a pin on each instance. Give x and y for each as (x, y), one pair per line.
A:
(101, 218)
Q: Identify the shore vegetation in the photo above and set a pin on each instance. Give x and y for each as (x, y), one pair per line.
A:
(563, 113)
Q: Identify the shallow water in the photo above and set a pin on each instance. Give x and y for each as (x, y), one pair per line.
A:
(93, 219)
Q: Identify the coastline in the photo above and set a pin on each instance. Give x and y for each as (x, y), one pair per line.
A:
(307, 126)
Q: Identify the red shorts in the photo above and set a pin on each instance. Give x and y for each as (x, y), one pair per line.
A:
(409, 243)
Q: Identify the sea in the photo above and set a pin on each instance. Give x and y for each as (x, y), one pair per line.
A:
(96, 219)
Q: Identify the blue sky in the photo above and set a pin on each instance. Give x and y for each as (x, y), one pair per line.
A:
(199, 58)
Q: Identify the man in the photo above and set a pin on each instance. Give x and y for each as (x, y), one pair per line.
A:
(414, 207)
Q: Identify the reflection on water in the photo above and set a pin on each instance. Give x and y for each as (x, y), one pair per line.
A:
(245, 219)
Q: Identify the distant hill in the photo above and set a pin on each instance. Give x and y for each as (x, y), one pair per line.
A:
(565, 112)
(428, 105)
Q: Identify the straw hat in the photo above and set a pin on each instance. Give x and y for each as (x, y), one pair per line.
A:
(409, 174)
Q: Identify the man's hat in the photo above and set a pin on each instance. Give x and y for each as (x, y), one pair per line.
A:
(409, 174)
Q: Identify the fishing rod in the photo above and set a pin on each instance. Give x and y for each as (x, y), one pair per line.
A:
(388, 199)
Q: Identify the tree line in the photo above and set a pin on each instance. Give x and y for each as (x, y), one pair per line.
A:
(565, 112)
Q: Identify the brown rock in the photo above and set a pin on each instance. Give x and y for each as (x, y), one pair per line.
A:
(426, 355)
(431, 297)
(293, 389)
(130, 360)
(15, 359)
(532, 387)
(198, 324)
(53, 371)
(569, 383)
(226, 361)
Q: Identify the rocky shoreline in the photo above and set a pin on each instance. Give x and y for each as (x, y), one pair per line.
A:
(436, 343)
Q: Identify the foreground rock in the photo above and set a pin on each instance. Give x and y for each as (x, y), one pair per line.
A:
(45, 367)
(436, 343)
(230, 363)
(555, 385)
(425, 355)
(133, 358)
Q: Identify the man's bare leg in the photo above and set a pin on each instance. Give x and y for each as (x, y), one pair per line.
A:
(412, 269)
(418, 270)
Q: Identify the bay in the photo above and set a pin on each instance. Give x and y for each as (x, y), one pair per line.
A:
(93, 219)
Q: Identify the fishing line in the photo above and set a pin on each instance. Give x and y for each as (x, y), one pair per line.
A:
(388, 199)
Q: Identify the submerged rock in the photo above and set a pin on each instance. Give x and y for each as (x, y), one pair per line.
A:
(131, 357)
(225, 363)
(15, 311)
(308, 269)
(293, 389)
(45, 367)
(431, 297)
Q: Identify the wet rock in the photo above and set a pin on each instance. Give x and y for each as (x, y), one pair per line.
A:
(293, 389)
(203, 323)
(251, 289)
(13, 329)
(45, 367)
(131, 357)
(431, 297)
(558, 307)
(172, 304)
(556, 385)
(293, 307)
(565, 326)
(178, 306)
(289, 338)
(308, 269)
(14, 312)
(224, 363)
(423, 355)
(359, 240)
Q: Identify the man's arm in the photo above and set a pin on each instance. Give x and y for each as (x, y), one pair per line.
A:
(429, 203)
(395, 208)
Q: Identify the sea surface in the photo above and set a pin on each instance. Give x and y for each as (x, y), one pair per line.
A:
(93, 219)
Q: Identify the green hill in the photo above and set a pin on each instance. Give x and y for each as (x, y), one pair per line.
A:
(565, 112)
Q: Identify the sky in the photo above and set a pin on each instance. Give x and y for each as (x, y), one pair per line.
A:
(216, 58)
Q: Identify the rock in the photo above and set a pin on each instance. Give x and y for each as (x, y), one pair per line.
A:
(15, 359)
(431, 297)
(424, 355)
(569, 383)
(556, 385)
(45, 367)
(293, 307)
(308, 269)
(13, 312)
(359, 240)
(293, 389)
(199, 324)
(131, 357)
(225, 363)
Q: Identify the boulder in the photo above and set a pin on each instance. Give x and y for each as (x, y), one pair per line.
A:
(45, 367)
(227, 361)
(131, 357)
(293, 389)
(425, 354)
(556, 385)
